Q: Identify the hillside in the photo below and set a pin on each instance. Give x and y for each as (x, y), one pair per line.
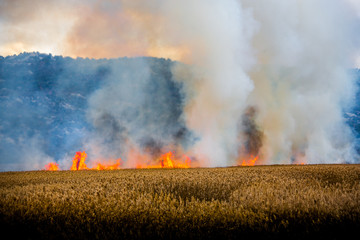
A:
(53, 106)
(45, 99)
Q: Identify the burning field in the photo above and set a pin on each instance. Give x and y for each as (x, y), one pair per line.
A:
(178, 84)
(281, 201)
(179, 119)
(166, 160)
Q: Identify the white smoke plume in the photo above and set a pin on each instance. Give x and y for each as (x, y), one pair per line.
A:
(266, 77)
(215, 38)
(218, 36)
(288, 60)
(304, 49)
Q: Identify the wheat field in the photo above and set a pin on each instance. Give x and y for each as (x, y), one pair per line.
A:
(274, 202)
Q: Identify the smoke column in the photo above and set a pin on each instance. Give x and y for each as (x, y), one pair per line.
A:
(214, 40)
(266, 77)
(301, 81)
(219, 42)
(288, 60)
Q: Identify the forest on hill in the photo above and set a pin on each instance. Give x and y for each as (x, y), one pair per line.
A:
(51, 106)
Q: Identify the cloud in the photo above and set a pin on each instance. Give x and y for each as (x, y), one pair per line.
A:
(35, 25)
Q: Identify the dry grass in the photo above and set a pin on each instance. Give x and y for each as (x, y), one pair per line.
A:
(320, 201)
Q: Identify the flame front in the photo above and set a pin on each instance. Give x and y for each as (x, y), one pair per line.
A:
(104, 166)
(79, 161)
(52, 166)
(138, 159)
(250, 162)
(167, 160)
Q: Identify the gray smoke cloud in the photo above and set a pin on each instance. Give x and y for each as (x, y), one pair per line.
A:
(138, 109)
(218, 36)
(265, 78)
(301, 80)
(53, 107)
(288, 60)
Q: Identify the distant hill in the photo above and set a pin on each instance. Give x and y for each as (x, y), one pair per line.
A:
(45, 99)
(52, 106)
(352, 116)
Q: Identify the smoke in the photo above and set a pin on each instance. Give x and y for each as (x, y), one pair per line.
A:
(264, 78)
(288, 60)
(250, 136)
(138, 107)
(301, 79)
(39, 25)
(218, 40)
(55, 106)
(213, 37)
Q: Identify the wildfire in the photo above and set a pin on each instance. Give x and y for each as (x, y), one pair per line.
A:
(52, 166)
(167, 160)
(79, 161)
(104, 166)
(140, 160)
(250, 162)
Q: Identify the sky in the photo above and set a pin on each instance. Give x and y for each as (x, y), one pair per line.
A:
(94, 29)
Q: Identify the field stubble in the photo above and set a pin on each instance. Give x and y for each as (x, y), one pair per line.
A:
(320, 201)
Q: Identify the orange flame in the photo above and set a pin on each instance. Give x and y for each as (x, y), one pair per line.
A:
(168, 160)
(79, 161)
(52, 166)
(250, 162)
(79, 164)
(102, 166)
